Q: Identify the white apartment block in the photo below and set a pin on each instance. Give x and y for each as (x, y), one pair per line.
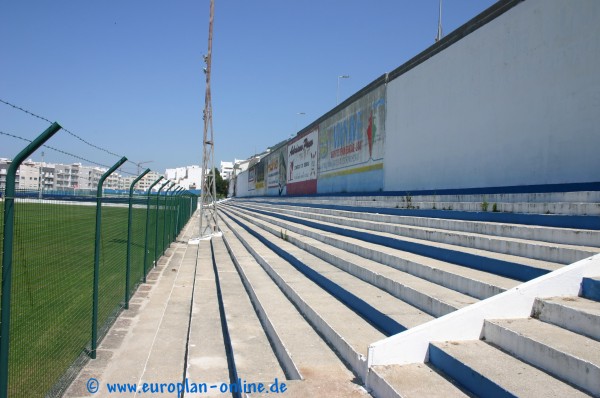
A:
(226, 169)
(189, 177)
(69, 177)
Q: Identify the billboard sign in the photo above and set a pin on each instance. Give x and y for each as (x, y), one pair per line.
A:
(252, 178)
(353, 141)
(302, 164)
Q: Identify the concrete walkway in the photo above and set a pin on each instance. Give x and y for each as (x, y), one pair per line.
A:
(194, 320)
(148, 342)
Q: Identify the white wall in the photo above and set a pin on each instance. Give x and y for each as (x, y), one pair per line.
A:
(514, 103)
(242, 184)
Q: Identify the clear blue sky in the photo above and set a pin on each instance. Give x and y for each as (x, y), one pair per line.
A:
(127, 75)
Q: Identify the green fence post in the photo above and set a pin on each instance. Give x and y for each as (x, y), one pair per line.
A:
(148, 224)
(7, 254)
(156, 237)
(174, 207)
(183, 206)
(129, 216)
(97, 255)
(183, 210)
(177, 211)
(165, 214)
(168, 216)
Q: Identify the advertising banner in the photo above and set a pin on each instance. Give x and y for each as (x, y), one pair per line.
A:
(302, 164)
(260, 174)
(277, 172)
(351, 142)
(252, 178)
(273, 171)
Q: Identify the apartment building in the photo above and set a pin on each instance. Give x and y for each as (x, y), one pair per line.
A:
(68, 177)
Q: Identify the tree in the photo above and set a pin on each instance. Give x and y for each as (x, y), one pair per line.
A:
(221, 185)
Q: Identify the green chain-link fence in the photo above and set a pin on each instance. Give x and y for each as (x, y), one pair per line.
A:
(52, 276)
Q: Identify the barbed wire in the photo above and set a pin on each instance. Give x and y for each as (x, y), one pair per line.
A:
(66, 153)
(66, 130)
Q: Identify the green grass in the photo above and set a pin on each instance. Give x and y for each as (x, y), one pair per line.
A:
(53, 260)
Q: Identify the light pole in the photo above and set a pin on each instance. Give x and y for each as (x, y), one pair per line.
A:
(338, 87)
(439, 35)
(301, 114)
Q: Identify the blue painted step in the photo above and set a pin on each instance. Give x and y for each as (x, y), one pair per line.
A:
(381, 321)
(590, 288)
(465, 376)
(508, 269)
(487, 371)
(544, 220)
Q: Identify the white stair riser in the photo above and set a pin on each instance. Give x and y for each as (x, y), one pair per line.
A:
(530, 232)
(567, 318)
(474, 288)
(356, 361)
(528, 250)
(561, 365)
(547, 197)
(563, 208)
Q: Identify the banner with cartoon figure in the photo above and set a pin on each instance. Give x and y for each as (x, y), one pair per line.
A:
(302, 164)
(352, 146)
(277, 171)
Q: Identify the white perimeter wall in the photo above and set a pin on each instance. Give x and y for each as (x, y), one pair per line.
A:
(241, 188)
(516, 102)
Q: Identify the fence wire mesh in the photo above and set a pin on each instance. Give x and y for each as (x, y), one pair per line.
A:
(52, 276)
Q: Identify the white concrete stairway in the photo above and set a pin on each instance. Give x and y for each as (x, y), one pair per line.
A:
(567, 203)
(525, 240)
(425, 264)
(579, 210)
(382, 298)
(556, 352)
(366, 314)
(472, 282)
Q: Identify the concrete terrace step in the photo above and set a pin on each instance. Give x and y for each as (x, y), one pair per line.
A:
(564, 208)
(486, 371)
(253, 357)
(207, 353)
(566, 355)
(516, 267)
(343, 328)
(300, 349)
(567, 236)
(588, 222)
(539, 197)
(469, 281)
(559, 253)
(414, 380)
(576, 314)
(427, 296)
(367, 300)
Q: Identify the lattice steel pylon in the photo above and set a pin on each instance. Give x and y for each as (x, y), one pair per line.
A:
(209, 225)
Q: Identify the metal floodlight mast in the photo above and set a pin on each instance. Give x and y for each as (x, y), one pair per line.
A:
(208, 195)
